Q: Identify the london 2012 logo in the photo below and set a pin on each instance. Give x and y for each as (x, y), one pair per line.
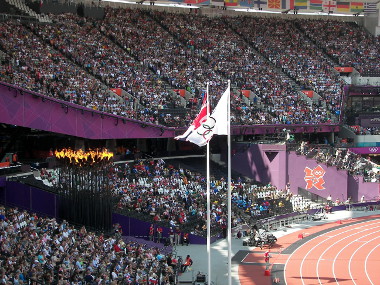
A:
(314, 177)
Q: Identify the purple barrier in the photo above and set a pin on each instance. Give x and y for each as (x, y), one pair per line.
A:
(137, 228)
(23, 108)
(345, 207)
(365, 204)
(339, 208)
(275, 129)
(312, 211)
(131, 226)
(30, 198)
(43, 202)
(18, 195)
(366, 150)
(3, 180)
(280, 217)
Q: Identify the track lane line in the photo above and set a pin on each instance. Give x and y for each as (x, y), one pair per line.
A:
(329, 250)
(366, 264)
(346, 246)
(293, 260)
(357, 262)
(329, 238)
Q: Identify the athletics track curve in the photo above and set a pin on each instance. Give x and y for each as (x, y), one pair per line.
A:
(343, 252)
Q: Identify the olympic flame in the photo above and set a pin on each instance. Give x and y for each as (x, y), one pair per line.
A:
(83, 158)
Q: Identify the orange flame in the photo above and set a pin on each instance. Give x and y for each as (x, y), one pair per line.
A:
(82, 158)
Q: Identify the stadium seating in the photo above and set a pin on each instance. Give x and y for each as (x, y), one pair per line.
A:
(149, 53)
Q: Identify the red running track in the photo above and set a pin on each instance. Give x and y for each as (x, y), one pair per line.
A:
(346, 255)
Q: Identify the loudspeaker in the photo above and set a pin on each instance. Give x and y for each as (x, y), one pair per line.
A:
(245, 243)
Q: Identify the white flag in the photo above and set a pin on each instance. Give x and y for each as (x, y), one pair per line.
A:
(220, 114)
(205, 126)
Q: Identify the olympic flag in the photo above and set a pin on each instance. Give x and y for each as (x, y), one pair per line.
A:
(191, 133)
(205, 126)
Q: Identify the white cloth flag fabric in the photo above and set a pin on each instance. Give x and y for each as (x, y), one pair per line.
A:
(205, 126)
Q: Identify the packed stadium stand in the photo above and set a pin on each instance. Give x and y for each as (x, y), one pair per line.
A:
(117, 53)
(129, 78)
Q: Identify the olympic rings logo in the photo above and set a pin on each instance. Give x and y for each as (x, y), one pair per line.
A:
(207, 127)
(373, 149)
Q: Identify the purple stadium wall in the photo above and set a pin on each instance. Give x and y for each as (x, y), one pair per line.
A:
(273, 164)
(29, 109)
(370, 190)
(264, 163)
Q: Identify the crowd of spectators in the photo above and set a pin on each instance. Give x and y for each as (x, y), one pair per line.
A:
(36, 66)
(359, 130)
(150, 53)
(174, 196)
(164, 195)
(347, 42)
(160, 193)
(157, 48)
(233, 58)
(98, 54)
(37, 250)
(287, 48)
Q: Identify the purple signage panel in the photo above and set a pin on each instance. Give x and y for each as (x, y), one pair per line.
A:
(316, 177)
(366, 150)
(36, 113)
(11, 110)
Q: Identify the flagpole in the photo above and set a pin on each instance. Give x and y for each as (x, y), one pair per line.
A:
(229, 182)
(208, 198)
